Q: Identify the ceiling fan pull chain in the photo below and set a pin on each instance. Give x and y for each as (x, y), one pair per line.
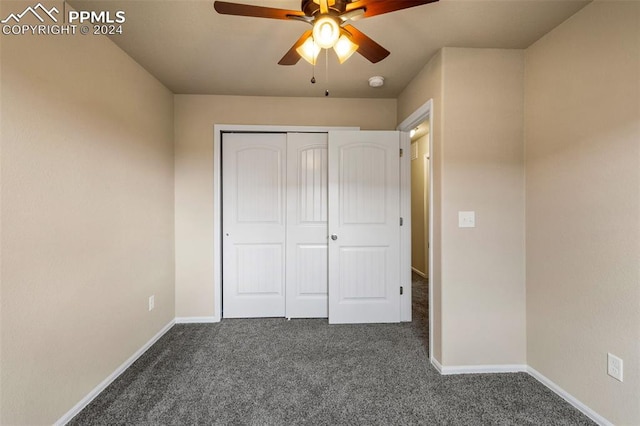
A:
(326, 70)
(313, 67)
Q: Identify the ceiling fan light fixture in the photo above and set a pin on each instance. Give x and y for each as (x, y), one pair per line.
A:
(329, 20)
(344, 48)
(326, 32)
(309, 50)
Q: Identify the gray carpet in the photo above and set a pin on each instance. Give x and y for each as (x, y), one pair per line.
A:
(420, 308)
(278, 372)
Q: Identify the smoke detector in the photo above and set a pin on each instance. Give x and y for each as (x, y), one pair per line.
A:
(376, 81)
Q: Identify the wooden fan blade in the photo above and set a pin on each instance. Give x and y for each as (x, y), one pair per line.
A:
(367, 47)
(236, 9)
(379, 7)
(352, 15)
(292, 57)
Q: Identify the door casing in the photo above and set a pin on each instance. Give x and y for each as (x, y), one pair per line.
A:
(424, 112)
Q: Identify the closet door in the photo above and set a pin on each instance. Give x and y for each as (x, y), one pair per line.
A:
(253, 224)
(307, 168)
(364, 216)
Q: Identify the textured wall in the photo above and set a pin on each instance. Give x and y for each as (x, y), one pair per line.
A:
(87, 218)
(194, 119)
(583, 206)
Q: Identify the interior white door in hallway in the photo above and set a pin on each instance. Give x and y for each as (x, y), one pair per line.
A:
(364, 216)
(253, 224)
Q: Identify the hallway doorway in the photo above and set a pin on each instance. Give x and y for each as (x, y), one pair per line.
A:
(420, 206)
(420, 199)
(417, 129)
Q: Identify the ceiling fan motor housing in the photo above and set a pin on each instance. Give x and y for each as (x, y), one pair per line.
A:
(310, 7)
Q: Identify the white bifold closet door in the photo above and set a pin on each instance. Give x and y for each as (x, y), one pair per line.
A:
(275, 225)
(311, 226)
(307, 210)
(254, 224)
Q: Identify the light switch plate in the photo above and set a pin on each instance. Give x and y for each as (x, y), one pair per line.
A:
(466, 219)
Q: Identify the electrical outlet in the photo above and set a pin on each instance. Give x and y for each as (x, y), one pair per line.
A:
(614, 366)
(152, 302)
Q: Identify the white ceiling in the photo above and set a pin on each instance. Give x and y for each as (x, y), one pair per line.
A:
(192, 49)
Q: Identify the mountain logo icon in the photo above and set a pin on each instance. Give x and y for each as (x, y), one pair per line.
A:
(38, 11)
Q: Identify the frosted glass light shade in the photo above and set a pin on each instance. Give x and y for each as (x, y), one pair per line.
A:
(344, 48)
(326, 32)
(309, 51)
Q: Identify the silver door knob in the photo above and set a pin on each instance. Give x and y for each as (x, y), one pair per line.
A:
(334, 237)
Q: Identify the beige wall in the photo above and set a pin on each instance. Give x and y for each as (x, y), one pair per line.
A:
(87, 218)
(483, 290)
(479, 290)
(426, 85)
(87, 172)
(583, 204)
(420, 206)
(195, 116)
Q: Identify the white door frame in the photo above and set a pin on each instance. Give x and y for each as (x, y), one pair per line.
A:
(218, 129)
(405, 201)
(426, 198)
(405, 204)
(421, 114)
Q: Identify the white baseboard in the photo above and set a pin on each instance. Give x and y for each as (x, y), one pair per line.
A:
(569, 398)
(521, 368)
(449, 370)
(106, 382)
(422, 274)
(436, 364)
(481, 369)
(197, 320)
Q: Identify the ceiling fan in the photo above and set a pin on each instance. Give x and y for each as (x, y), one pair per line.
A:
(330, 22)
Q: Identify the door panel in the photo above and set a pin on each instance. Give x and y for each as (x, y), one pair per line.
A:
(307, 212)
(362, 274)
(258, 184)
(364, 214)
(259, 269)
(363, 188)
(253, 225)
